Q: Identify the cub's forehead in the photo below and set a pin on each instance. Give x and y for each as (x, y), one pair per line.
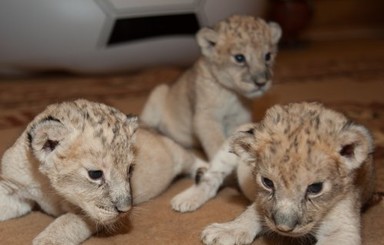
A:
(81, 113)
(304, 118)
(94, 121)
(244, 29)
(298, 129)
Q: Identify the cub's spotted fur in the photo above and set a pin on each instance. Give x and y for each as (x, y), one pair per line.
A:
(312, 172)
(208, 102)
(87, 164)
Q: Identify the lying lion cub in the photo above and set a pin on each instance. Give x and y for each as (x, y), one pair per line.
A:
(87, 164)
(307, 169)
(209, 101)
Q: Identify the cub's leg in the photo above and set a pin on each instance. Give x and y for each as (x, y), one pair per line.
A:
(12, 206)
(153, 109)
(341, 226)
(12, 203)
(241, 230)
(209, 131)
(68, 229)
(207, 183)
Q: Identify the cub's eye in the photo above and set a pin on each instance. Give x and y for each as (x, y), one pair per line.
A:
(315, 188)
(268, 56)
(239, 58)
(267, 183)
(95, 174)
(130, 169)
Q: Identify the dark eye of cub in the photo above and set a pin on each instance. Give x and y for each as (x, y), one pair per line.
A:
(95, 174)
(268, 56)
(239, 58)
(130, 169)
(267, 183)
(315, 188)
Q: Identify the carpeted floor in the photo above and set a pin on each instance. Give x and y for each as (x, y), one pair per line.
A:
(345, 75)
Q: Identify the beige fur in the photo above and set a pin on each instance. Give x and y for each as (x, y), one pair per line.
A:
(209, 101)
(86, 163)
(307, 169)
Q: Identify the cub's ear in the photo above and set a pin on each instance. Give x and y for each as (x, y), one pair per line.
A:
(45, 136)
(132, 123)
(276, 32)
(356, 145)
(207, 38)
(242, 141)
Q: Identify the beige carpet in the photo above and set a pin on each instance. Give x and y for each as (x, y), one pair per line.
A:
(347, 76)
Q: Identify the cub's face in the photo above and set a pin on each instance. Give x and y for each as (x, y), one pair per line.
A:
(304, 159)
(86, 150)
(295, 190)
(241, 51)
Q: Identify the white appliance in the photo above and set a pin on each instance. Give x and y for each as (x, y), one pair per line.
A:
(100, 36)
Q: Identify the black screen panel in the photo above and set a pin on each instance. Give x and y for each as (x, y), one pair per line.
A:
(133, 29)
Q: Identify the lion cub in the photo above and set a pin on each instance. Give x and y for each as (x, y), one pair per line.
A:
(86, 163)
(208, 102)
(308, 171)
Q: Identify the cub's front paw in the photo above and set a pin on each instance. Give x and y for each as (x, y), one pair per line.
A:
(190, 199)
(227, 234)
(44, 240)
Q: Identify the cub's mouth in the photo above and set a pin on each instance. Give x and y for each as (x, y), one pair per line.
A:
(107, 215)
(260, 85)
(258, 90)
(298, 231)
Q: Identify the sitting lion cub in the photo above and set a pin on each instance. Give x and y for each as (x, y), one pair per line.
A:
(208, 102)
(308, 171)
(86, 163)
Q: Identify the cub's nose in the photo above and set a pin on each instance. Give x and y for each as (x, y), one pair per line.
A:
(259, 81)
(284, 228)
(123, 204)
(285, 222)
(260, 84)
